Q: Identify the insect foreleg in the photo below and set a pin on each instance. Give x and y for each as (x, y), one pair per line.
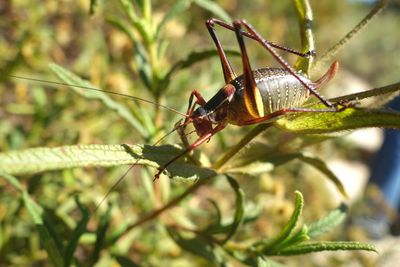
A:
(181, 128)
(198, 142)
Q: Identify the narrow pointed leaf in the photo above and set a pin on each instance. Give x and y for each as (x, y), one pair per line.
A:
(101, 231)
(328, 222)
(298, 237)
(214, 8)
(326, 245)
(125, 261)
(79, 230)
(239, 211)
(330, 122)
(37, 160)
(289, 227)
(47, 240)
(196, 246)
(267, 263)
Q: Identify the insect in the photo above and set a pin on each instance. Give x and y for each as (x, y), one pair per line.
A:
(256, 96)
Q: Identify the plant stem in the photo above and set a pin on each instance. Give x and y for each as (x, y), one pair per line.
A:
(305, 18)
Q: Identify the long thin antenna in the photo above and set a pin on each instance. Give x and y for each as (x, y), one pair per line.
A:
(99, 90)
(120, 179)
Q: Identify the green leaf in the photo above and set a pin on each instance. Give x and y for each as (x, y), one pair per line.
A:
(195, 245)
(12, 180)
(239, 211)
(101, 231)
(48, 242)
(79, 230)
(382, 95)
(36, 213)
(324, 246)
(267, 263)
(177, 8)
(254, 168)
(269, 246)
(36, 160)
(53, 253)
(129, 10)
(91, 92)
(218, 218)
(328, 222)
(125, 261)
(330, 122)
(298, 237)
(214, 8)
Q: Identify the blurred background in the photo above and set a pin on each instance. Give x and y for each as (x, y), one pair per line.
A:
(36, 33)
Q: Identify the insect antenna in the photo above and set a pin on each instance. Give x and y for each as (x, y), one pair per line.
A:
(98, 90)
(120, 179)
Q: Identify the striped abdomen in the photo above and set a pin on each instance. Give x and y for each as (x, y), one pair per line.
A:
(279, 89)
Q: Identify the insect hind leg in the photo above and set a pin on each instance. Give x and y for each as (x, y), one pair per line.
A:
(267, 45)
(227, 26)
(229, 73)
(275, 115)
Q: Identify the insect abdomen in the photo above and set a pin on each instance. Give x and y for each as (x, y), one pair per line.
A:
(279, 89)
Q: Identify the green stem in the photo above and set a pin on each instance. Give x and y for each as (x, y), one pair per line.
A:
(147, 9)
(305, 17)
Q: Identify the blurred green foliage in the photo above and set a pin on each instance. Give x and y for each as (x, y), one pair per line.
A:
(36, 33)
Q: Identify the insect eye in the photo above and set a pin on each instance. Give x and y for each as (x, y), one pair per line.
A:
(199, 112)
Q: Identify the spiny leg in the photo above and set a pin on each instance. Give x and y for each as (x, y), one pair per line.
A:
(286, 111)
(198, 142)
(181, 128)
(229, 73)
(266, 45)
(249, 35)
(252, 96)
